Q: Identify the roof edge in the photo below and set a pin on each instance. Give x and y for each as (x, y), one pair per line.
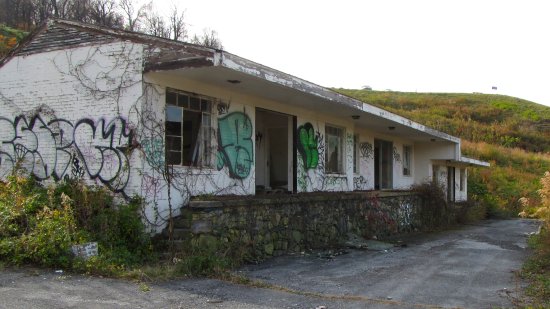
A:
(474, 162)
(246, 66)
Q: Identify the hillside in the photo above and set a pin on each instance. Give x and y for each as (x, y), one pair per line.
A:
(9, 37)
(495, 119)
(511, 133)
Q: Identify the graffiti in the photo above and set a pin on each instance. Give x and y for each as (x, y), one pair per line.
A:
(235, 146)
(302, 176)
(223, 108)
(40, 147)
(360, 183)
(396, 155)
(154, 151)
(77, 171)
(259, 137)
(44, 148)
(366, 150)
(406, 215)
(103, 148)
(307, 146)
(336, 181)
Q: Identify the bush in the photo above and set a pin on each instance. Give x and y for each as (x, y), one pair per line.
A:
(537, 268)
(434, 210)
(38, 225)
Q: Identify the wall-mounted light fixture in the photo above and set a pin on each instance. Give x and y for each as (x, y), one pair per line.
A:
(233, 81)
(391, 128)
(355, 117)
(432, 140)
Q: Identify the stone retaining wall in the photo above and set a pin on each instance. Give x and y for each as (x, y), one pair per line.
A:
(259, 227)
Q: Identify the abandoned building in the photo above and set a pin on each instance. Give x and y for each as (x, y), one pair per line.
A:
(168, 120)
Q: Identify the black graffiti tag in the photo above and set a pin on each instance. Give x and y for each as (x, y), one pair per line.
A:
(51, 148)
(104, 148)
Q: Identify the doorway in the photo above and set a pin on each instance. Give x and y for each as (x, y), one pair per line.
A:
(274, 152)
(451, 183)
(383, 164)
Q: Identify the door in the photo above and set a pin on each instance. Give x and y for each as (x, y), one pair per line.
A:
(274, 145)
(450, 183)
(383, 164)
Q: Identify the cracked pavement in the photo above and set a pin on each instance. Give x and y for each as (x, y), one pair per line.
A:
(472, 266)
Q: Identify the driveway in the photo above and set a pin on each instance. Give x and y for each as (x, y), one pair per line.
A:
(470, 267)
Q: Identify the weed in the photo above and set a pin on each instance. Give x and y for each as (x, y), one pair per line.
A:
(144, 287)
(40, 224)
(434, 210)
(537, 269)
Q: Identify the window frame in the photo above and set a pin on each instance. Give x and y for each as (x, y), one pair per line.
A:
(462, 179)
(407, 160)
(340, 168)
(201, 138)
(356, 157)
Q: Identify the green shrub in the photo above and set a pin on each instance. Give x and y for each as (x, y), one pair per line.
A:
(434, 210)
(39, 226)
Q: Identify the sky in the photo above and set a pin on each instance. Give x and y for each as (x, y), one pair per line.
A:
(424, 46)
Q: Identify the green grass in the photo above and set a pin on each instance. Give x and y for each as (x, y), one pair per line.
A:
(496, 119)
(537, 270)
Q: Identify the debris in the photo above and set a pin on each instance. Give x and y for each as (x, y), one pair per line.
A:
(214, 301)
(389, 298)
(356, 242)
(86, 250)
(321, 307)
(376, 245)
(59, 271)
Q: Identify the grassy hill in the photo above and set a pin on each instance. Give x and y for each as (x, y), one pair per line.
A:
(511, 133)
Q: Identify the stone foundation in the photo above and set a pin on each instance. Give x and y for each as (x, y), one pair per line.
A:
(258, 227)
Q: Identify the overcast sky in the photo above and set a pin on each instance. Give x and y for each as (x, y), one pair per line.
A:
(425, 46)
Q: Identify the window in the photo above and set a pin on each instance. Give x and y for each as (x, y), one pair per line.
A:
(356, 163)
(435, 177)
(462, 179)
(188, 129)
(334, 141)
(407, 155)
(383, 164)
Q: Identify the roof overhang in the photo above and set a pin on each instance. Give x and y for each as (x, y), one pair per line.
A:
(221, 67)
(464, 161)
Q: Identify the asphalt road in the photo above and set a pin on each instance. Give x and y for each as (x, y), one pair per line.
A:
(470, 267)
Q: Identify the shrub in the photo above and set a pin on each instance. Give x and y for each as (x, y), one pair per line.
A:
(537, 268)
(39, 225)
(434, 210)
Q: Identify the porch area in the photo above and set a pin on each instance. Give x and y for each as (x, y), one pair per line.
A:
(261, 226)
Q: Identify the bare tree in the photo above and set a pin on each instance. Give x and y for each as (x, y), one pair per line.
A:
(61, 8)
(103, 13)
(79, 10)
(42, 10)
(178, 29)
(209, 38)
(134, 17)
(17, 13)
(155, 25)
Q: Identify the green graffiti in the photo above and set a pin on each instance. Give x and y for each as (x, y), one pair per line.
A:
(154, 151)
(307, 146)
(235, 147)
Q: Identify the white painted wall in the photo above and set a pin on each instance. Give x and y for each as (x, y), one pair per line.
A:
(424, 153)
(75, 98)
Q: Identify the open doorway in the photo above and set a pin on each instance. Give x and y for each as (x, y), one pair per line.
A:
(383, 164)
(274, 150)
(450, 184)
